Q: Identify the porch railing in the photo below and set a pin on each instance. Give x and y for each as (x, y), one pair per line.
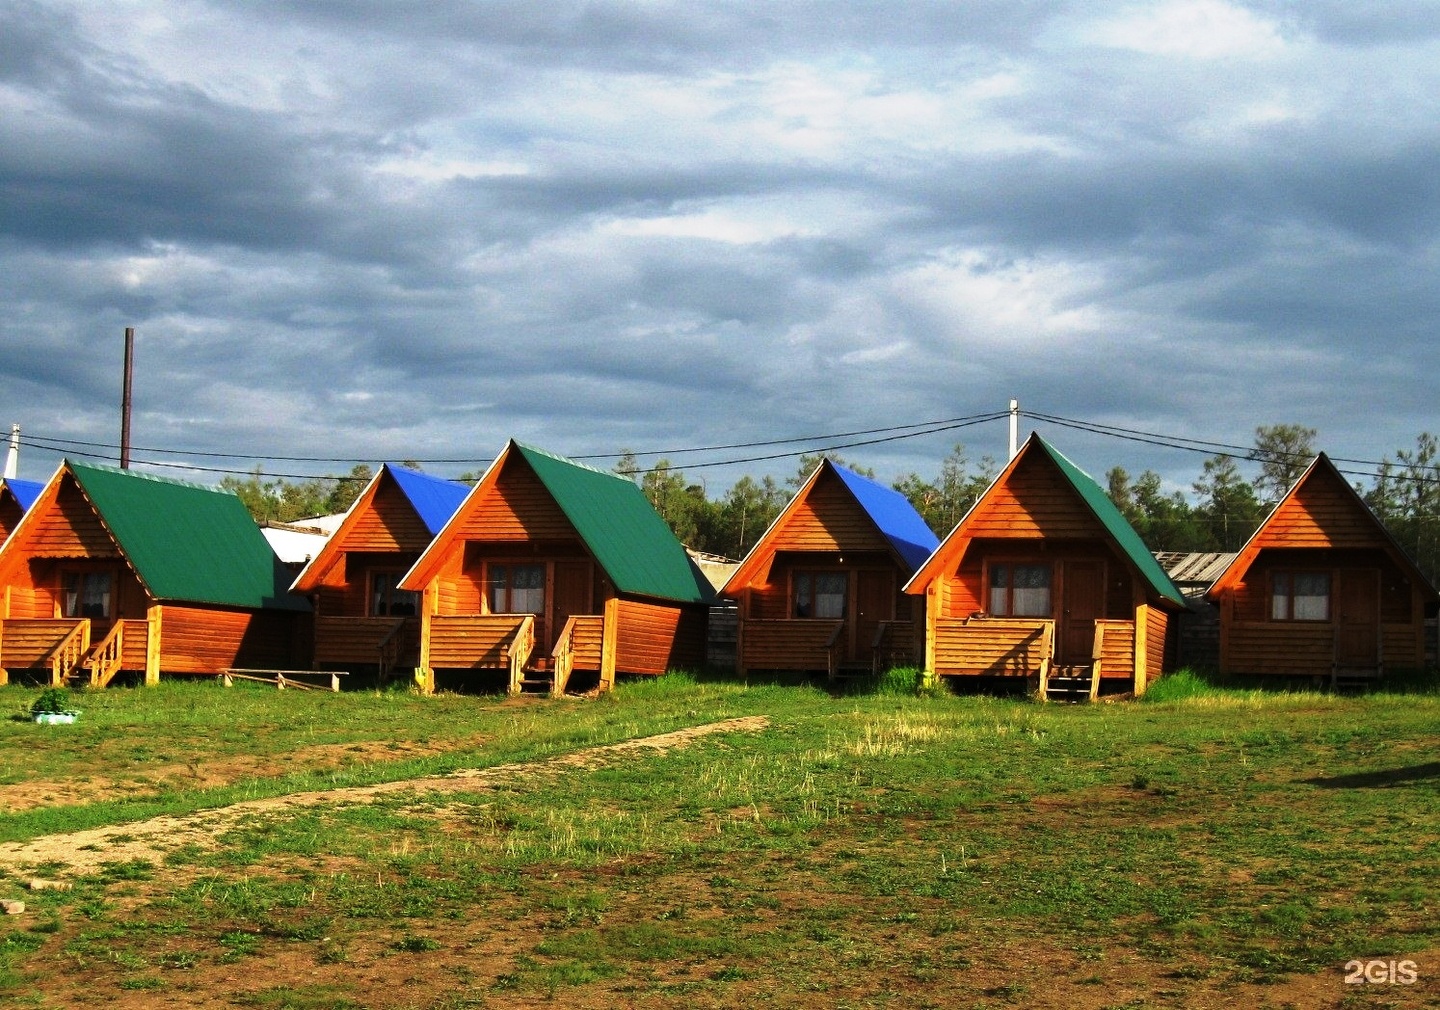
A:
(70, 653)
(580, 644)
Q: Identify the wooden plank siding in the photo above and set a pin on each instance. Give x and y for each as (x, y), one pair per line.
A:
(471, 641)
(824, 530)
(518, 510)
(1035, 504)
(992, 647)
(1157, 633)
(1321, 526)
(1117, 644)
(654, 637)
(829, 519)
(786, 644)
(349, 641)
(28, 644)
(207, 640)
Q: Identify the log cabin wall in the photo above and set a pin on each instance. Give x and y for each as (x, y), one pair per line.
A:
(1320, 527)
(10, 515)
(1157, 637)
(655, 637)
(198, 639)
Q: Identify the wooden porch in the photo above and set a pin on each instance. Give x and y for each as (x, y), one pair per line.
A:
(1025, 647)
(387, 643)
(62, 649)
(790, 644)
(507, 642)
(1311, 649)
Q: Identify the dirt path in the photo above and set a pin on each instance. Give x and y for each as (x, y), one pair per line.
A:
(86, 851)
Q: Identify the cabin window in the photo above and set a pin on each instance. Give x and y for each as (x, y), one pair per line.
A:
(517, 589)
(1300, 596)
(387, 600)
(85, 594)
(1020, 590)
(820, 594)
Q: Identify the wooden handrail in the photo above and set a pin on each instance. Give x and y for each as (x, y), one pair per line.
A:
(388, 649)
(1097, 656)
(107, 657)
(522, 644)
(70, 652)
(564, 656)
(832, 647)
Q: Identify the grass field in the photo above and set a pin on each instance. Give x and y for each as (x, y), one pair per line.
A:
(1222, 847)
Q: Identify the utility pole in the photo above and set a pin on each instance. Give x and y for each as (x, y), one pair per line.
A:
(1014, 428)
(125, 398)
(12, 458)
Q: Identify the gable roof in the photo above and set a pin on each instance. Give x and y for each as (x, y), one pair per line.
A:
(893, 516)
(186, 542)
(1320, 468)
(25, 491)
(433, 498)
(622, 531)
(1095, 500)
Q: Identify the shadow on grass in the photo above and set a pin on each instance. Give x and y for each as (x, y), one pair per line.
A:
(1378, 780)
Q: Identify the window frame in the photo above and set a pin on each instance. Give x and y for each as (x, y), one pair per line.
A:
(373, 592)
(1008, 566)
(1273, 597)
(806, 579)
(509, 589)
(82, 576)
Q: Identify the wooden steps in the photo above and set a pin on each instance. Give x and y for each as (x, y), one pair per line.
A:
(1071, 683)
(1365, 678)
(539, 676)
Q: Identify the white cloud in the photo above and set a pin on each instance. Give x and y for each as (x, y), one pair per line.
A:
(1195, 29)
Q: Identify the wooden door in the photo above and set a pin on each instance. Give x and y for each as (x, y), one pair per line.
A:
(1357, 620)
(572, 596)
(874, 602)
(1082, 603)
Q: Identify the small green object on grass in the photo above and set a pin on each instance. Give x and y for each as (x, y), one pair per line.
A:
(53, 706)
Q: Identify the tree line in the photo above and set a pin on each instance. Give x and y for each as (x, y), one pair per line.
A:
(1222, 510)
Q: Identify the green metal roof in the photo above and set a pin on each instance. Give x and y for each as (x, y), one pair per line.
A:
(187, 542)
(1115, 524)
(626, 536)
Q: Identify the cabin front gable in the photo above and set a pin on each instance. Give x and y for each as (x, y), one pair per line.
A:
(1321, 590)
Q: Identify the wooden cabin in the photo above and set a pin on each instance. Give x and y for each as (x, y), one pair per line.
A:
(113, 570)
(16, 496)
(362, 616)
(1044, 579)
(1322, 590)
(820, 591)
(560, 576)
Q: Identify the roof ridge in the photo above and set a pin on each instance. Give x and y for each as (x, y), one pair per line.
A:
(527, 447)
(142, 475)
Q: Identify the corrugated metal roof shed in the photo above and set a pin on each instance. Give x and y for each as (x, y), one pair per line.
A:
(896, 518)
(621, 529)
(187, 542)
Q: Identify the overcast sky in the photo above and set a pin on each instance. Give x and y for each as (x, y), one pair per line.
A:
(371, 231)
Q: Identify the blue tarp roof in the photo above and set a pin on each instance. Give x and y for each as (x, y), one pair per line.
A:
(25, 491)
(433, 498)
(892, 512)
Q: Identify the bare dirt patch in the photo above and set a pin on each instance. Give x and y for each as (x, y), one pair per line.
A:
(87, 851)
(322, 758)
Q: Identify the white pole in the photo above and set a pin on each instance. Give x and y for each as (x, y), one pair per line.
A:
(1014, 427)
(12, 458)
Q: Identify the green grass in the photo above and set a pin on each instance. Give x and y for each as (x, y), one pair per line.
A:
(874, 846)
